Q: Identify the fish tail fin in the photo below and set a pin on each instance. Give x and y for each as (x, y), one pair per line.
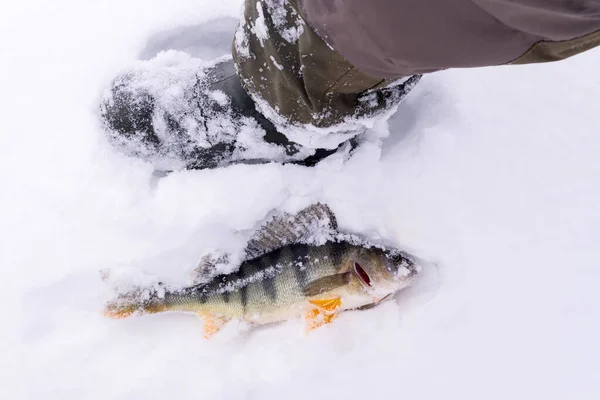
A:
(134, 303)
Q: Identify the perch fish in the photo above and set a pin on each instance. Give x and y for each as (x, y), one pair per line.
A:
(294, 266)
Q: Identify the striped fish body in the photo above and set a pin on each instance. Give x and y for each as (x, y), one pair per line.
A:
(273, 287)
(283, 278)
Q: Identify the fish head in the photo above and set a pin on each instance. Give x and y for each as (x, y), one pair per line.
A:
(383, 270)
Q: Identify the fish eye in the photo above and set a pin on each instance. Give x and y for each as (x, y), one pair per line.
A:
(396, 258)
(361, 273)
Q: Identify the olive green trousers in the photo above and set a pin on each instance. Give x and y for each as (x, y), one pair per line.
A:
(297, 78)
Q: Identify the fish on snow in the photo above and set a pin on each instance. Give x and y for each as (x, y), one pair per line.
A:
(289, 270)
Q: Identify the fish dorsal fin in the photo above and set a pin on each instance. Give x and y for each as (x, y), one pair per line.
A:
(313, 225)
(208, 266)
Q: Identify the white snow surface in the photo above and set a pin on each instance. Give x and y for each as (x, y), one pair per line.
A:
(491, 173)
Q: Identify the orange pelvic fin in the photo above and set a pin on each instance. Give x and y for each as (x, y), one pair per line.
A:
(212, 324)
(323, 312)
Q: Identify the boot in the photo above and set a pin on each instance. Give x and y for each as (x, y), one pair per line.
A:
(179, 114)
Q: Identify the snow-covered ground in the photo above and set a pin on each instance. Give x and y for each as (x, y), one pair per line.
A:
(491, 173)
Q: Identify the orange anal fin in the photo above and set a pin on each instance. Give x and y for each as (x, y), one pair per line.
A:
(323, 312)
(212, 324)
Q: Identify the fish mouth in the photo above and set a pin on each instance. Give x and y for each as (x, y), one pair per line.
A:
(408, 268)
(406, 273)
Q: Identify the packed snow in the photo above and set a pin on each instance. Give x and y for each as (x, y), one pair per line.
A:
(490, 174)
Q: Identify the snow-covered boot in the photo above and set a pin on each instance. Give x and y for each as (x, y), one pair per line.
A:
(179, 112)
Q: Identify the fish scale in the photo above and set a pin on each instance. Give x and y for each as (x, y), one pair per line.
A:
(294, 266)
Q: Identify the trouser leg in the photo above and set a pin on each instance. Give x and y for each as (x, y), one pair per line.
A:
(297, 78)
